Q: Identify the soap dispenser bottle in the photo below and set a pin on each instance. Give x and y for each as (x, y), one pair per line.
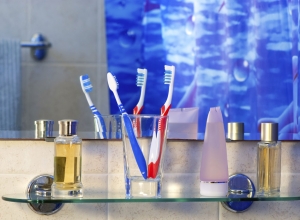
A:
(214, 165)
(268, 160)
(67, 161)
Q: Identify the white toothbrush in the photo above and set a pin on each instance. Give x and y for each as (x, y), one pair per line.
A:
(138, 154)
(141, 81)
(156, 149)
(87, 88)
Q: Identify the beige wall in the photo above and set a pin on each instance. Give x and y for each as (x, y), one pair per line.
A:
(51, 88)
(21, 161)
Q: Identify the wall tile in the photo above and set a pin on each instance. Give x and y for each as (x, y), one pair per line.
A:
(102, 100)
(26, 157)
(94, 183)
(182, 157)
(94, 157)
(290, 183)
(36, 157)
(116, 184)
(290, 162)
(101, 26)
(241, 156)
(163, 210)
(181, 182)
(59, 93)
(71, 27)
(14, 14)
(115, 157)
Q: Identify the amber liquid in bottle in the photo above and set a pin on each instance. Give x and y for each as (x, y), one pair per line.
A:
(67, 167)
(268, 168)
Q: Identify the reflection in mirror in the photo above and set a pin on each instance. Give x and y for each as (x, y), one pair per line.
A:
(242, 57)
(50, 88)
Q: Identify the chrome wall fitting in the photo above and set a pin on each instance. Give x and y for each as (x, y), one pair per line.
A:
(40, 187)
(38, 45)
(239, 186)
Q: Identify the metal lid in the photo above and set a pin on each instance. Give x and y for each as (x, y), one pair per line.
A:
(269, 131)
(43, 128)
(235, 130)
(67, 127)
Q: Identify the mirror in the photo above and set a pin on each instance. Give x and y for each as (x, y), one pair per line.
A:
(236, 56)
(239, 55)
(50, 88)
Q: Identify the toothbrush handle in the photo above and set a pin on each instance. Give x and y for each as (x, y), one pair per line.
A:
(100, 121)
(153, 167)
(162, 123)
(138, 154)
(137, 122)
(102, 124)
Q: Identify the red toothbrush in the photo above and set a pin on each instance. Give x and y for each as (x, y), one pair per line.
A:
(156, 148)
(141, 81)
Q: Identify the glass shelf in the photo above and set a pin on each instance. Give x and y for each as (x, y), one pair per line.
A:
(167, 197)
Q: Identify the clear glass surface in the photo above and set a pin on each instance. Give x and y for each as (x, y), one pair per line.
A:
(144, 142)
(165, 197)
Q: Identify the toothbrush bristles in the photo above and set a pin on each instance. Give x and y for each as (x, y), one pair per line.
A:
(140, 79)
(86, 83)
(168, 77)
(116, 80)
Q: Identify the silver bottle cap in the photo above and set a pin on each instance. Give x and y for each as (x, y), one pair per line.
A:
(43, 128)
(235, 131)
(67, 127)
(269, 132)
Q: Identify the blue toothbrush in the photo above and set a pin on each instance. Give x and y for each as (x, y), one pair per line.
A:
(87, 87)
(138, 154)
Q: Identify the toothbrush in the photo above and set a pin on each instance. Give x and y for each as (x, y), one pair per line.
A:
(156, 150)
(138, 154)
(87, 88)
(141, 81)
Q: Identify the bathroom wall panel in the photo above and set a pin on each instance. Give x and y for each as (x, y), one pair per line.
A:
(20, 158)
(70, 25)
(242, 157)
(164, 210)
(57, 87)
(183, 157)
(115, 157)
(101, 33)
(13, 22)
(95, 160)
(21, 161)
(290, 157)
(101, 100)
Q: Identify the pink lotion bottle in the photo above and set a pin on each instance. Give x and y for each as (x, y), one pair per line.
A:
(214, 166)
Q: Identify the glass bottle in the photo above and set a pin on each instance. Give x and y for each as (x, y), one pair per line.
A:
(67, 161)
(268, 160)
